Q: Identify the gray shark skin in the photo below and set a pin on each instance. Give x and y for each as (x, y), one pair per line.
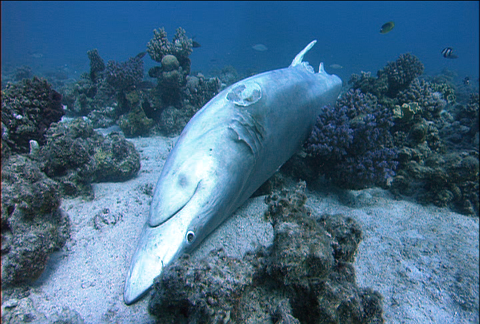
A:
(227, 151)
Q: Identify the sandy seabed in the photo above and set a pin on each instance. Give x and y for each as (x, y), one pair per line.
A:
(423, 260)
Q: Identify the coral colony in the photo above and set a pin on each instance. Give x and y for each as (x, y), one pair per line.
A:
(414, 135)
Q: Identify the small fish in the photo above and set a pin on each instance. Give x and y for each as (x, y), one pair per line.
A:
(336, 66)
(195, 44)
(260, 47)
(140, 55)
(466, 81)
(447, 52)
(387, 27)
(36, 55)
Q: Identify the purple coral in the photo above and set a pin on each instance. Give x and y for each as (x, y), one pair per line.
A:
(125, 75)
(331, 136)
(353, 141)
(401, 72)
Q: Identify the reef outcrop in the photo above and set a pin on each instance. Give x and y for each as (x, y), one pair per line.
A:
(306, 276)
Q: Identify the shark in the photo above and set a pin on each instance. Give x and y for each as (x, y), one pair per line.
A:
(229, 148)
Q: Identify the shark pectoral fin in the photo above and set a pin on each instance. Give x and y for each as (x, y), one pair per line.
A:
(171, 197)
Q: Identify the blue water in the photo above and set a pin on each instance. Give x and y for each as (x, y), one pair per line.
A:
(52, 35)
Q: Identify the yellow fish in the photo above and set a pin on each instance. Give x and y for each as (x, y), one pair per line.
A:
(387, 27)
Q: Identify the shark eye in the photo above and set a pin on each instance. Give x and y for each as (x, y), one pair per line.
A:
(190, 236)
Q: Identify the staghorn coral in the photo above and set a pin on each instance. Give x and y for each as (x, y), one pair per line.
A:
(28, 109)
(307, 267)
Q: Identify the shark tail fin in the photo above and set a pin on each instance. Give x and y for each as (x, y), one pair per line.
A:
(299, 58)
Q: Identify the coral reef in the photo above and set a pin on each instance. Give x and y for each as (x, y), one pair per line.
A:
(429, 140)
(116, 159)
(126, 75)
(352, 143)
(442, 179)
(463, 130)
(173, 120)
(92, 92)
(197, 92)
(23, 72)
(23, 310)
(307, 268)
(394, 77)
(175, 64)
(430, 103)
(75, 156)
(33, 226)
(401, 72)
(96, 64)
(28, 109)
(135, 123)
(181, 47)
(432, 123)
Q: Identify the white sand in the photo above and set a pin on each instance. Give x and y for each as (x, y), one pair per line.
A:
(419, 258)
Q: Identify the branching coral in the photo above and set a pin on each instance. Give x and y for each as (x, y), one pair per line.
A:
(175, 64)
(394, 77)
(401, 72)
(181, 46)
(353, 142)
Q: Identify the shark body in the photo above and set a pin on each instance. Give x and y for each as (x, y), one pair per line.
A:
(227, 151)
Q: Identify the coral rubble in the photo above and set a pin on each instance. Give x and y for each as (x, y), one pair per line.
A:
(305, 277)
(75, 156)
(33, 226)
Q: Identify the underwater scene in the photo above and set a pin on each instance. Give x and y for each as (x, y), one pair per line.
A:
(240, 162)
